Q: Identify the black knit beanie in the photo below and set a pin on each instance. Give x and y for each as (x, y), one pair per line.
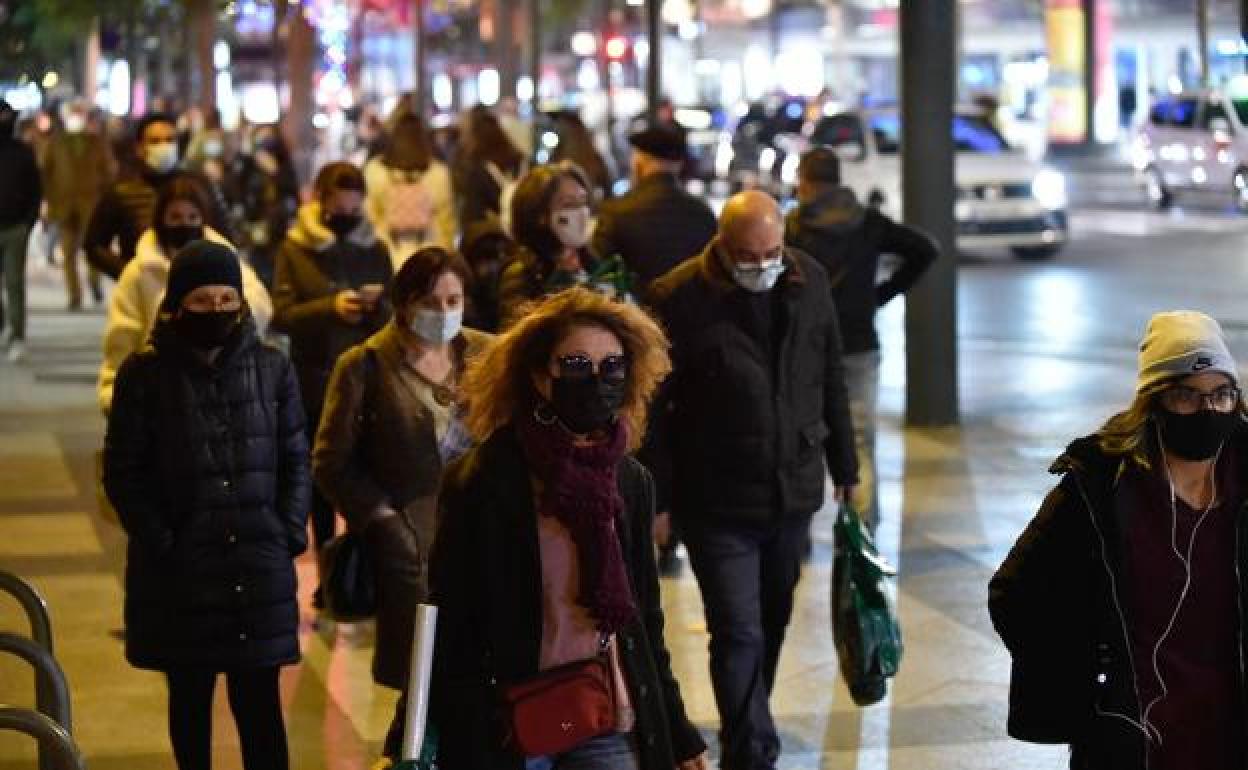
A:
(200, 263)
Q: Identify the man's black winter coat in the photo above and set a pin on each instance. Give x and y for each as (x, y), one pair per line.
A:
(22, 191)
(743, 428)
(848, 240)
(207, 466)
(653, 228)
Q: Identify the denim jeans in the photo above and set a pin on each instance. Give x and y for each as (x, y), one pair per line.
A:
(13, 271)
(862, 378)
(614, 751)
(747, 575)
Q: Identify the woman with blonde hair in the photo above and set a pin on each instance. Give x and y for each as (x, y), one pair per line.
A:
(554, 504)
(1121, 603)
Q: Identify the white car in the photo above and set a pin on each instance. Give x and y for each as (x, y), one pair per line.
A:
(1196, 142)
(1003, 199)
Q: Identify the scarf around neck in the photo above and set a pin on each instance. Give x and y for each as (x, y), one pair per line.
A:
(578, 487)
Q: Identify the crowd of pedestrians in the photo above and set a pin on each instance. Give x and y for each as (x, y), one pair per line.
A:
(512, 387)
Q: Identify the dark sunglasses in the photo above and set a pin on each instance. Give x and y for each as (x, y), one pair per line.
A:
(579, 366)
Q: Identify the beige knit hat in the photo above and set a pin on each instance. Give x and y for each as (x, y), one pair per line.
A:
(1179, 343)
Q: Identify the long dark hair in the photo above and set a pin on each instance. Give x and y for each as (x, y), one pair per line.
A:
(422, 270)
(489, 143)
(182, 188)
(408, 147)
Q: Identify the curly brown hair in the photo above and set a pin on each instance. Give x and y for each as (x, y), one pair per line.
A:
(498, 385)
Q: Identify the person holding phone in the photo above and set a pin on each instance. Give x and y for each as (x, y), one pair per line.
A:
(328, 294)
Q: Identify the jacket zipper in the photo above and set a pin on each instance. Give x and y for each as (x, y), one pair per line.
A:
(1122, 621)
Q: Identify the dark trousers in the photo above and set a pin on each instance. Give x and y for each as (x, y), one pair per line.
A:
(747, 575)
(257, 707)
(322, 513)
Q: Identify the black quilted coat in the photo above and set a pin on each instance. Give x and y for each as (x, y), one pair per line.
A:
(207, 466)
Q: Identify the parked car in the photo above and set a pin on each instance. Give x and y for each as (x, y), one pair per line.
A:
(1003, 199)
(1194, 143)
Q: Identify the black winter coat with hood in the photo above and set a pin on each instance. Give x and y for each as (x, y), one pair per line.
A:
(847, 239)
(742, 428)
(1058, 602)
(207, 466)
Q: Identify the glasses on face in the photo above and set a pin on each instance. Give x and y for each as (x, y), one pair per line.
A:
(752, 260)
(578, 366)
(1181, 399)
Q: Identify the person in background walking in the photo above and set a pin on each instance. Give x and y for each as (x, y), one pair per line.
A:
(20, 198)
(486, 168)
(124, 212)
(206, 462)
(329, 294)
(848, 239)
(755, 406)
(390, 425)
(409, 192)
(1121, 603)
(657, 225)
(264, 192)
(77, 168)
(543, 556)
(551, 218)
(486, 249)
(576, 144)
(135, 302)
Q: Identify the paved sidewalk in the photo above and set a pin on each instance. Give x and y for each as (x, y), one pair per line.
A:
(953, 500)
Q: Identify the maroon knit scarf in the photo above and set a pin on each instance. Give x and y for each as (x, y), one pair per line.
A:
(579, 489)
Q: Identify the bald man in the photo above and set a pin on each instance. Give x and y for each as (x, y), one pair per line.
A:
(755, 407)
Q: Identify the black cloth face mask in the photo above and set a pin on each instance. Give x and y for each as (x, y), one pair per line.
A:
(586, 404)
(1197, 436)
(342, 225)
(173, 237)
(207, 331)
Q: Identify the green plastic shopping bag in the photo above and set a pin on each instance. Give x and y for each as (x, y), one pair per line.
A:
(864, 619)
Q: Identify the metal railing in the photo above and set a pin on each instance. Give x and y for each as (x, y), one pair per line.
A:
(57, 750)
(34, 605)
(51, 690)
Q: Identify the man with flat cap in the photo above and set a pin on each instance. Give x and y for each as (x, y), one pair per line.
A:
(657, 225)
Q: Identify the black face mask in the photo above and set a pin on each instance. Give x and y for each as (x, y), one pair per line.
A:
(343, 225)
(173, 237)
(1196, 436)
(586, 404)
(207, 330)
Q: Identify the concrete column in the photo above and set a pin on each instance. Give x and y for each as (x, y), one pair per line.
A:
(928, 43)
(505, 47)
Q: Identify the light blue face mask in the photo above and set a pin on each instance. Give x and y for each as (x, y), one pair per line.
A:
(757, 278)
(435, 327)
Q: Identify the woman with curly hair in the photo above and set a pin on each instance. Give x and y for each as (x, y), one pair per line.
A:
(554, 504)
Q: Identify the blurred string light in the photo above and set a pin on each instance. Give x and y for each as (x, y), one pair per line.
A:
(332, 22)
(525, 90)
(50, 80)
(755, 9)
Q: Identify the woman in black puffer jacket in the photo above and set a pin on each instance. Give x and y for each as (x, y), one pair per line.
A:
(207, 465)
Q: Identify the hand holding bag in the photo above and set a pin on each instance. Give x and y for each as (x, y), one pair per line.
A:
(864, 620)
(560, 708)
(348, 587)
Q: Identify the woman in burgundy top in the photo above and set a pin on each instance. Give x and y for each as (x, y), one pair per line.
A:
(1122, 602)
(543, 556)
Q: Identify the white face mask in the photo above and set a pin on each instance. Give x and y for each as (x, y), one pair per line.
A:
(213, 148)
(571, 226)
(75, 124)
(162, 157)
(757, 278)
(436, 327)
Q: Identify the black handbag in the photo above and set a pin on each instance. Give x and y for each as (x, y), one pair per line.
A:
(348, 587)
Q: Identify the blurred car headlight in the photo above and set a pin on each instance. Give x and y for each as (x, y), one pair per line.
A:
(1049, 189)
